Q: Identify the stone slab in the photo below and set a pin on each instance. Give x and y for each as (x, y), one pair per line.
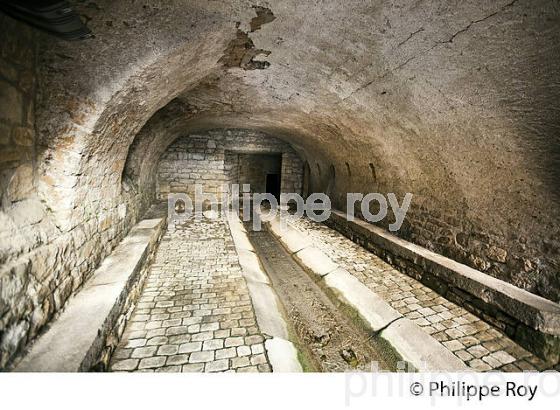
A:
(415, 346)
(315, 260)
(275, 226)
(264, 299)
(241, 241)
(295, 241)
(267, 310)
(238, 233)
(251, 266)
(282, 355)
(424, 352)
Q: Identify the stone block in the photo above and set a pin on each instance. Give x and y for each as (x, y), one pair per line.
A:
(267, 310)
(282, 355)
(251, 267)
(75, 344)
(315, 261)
(295, 241)
(496, 254)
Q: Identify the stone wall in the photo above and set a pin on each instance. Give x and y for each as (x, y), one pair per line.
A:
(292, 173)
(19, 209)
(528, 262)
(231, 167)
(220, 157)
(43, 260)
(17, 110)
(467, 128)
(483, 302)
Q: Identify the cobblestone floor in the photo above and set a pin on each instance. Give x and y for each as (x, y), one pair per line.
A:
(475, 342)
(195, 313)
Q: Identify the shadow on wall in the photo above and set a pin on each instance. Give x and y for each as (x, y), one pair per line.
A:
(306, 180)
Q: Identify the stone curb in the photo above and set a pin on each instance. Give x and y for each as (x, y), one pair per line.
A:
(417, 347)
(405, 337)
(75, 340)
(281, 352)
(372, 309)
(267, 310)
(282, 355)
(528, 319)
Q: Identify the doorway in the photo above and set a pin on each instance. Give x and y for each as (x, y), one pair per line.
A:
(273, 185)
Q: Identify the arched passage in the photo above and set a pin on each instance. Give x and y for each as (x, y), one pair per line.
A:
(453, 111)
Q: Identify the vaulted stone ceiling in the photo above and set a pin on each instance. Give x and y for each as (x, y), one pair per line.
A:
(453, 101)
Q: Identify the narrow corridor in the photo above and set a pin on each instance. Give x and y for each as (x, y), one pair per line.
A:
(167, 99)
(143, 142)
(194, 314)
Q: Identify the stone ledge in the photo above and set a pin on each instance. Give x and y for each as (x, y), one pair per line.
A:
(405, 337)
(413, 344)
(267, 310)
(316, 260)
(76, 339)
(531, 320)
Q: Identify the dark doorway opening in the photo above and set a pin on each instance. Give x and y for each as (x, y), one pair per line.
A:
(273, 185)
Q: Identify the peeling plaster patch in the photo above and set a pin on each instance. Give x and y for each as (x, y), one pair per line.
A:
(241, 51)
(264, 16)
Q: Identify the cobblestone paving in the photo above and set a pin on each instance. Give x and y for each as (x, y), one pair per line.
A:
(195, 313)
(475, 342)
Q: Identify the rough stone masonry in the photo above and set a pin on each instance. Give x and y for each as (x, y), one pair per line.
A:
(225, 158)
(456, 103)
